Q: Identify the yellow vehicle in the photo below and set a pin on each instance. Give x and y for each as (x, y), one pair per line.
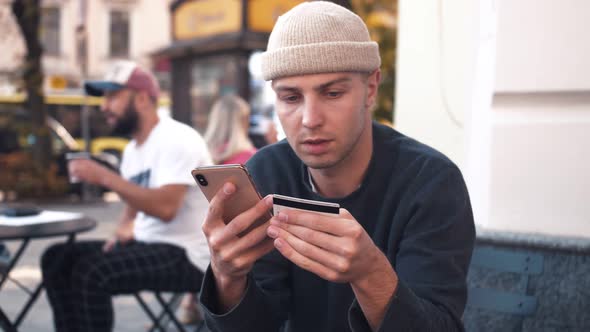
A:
(64, 118)
(65, 122)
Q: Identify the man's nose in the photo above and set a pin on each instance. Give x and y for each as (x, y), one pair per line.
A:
(104, 105)
(312, 113)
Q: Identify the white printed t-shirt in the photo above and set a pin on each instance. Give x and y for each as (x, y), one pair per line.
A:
(171, 151)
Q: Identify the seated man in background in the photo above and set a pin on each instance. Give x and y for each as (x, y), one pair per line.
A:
(158, 244)
(396, 256)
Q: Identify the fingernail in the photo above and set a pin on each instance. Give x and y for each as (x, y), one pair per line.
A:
(228, 188)
(278, 243)
(268, 200)
(272, 232)
(283, 217)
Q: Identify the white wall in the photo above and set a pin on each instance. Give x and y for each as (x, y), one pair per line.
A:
(445, 72)
(149, 31)
(434, 66)
(521, 91)
(541, 161)
(12, 46)
(541, 118)
(65, 63)
(543, 45)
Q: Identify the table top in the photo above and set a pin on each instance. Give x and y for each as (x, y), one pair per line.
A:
(41, 230)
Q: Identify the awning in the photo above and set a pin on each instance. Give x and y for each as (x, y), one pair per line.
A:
(236, 41)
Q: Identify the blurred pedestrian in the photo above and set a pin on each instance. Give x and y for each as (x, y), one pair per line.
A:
(158, 244)
(227, 131)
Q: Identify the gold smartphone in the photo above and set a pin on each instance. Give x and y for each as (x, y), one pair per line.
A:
(212, 178)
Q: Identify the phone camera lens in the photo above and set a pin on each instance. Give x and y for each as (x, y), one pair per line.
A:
(202, 181)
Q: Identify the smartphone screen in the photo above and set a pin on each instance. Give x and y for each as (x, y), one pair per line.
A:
(212, 178)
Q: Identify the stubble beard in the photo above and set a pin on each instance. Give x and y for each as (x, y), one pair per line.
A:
(128, 123)
(345, 153)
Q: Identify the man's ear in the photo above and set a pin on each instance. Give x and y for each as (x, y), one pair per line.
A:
(141, 100)
(373, 81)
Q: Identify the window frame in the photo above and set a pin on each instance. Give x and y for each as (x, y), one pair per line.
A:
(124, 52)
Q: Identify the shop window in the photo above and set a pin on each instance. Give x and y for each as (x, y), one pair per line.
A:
(119, 33)
(211, 78)
(50, 20)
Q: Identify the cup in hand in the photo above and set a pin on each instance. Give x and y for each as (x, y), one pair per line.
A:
(73, 156)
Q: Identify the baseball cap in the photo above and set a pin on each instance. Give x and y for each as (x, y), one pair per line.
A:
(124, 75)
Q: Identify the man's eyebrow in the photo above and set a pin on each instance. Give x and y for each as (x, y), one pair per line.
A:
(326, 85)
(320, 87)
(286, 89)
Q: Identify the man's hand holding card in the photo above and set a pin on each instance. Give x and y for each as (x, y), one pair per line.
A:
(323, 239)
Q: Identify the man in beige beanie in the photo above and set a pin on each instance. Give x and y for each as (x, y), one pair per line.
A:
(394, 258)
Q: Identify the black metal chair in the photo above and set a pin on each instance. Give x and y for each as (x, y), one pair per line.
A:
(167, 314)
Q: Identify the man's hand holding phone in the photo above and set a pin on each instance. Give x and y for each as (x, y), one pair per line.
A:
(235, 244)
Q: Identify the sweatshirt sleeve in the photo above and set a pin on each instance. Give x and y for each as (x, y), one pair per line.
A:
(265, 302)
(432, 259)
(266, 296)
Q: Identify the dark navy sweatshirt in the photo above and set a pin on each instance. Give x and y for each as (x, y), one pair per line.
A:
(414, 204)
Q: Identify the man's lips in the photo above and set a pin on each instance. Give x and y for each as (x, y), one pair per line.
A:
(110, 118)
(315, 145)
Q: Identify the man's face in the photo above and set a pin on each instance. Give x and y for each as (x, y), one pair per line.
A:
(120, 112)
(325, 116)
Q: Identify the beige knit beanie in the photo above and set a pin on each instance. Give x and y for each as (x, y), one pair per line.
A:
(319, 37)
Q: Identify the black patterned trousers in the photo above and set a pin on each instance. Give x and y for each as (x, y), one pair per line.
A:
(80, 279)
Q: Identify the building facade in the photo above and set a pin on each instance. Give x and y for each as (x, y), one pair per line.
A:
(214, 51)
(81, 38)
(502, 87)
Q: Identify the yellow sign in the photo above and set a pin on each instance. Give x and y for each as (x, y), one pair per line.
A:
(57, 82)
(262, 14)
(54, 99)
(67, 99)
(204, 18)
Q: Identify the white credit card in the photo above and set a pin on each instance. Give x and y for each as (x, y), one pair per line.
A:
(286, 202)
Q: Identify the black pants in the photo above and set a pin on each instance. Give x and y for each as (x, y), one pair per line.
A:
(80, 279)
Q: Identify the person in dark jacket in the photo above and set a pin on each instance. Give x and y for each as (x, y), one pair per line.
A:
(396, 256)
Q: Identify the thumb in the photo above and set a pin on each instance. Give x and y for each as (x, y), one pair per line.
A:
(109, 245)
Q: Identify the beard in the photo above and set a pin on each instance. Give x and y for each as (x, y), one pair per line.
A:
(128, 123)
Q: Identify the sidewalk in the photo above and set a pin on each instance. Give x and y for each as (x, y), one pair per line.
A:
(128, 315)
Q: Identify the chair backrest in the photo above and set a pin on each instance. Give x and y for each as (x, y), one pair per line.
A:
(4, 258)
(498, 289)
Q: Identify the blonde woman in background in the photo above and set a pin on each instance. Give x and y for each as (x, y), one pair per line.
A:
(227, 132)
(228, 142)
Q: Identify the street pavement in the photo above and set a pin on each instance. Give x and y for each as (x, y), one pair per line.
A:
(128, 314)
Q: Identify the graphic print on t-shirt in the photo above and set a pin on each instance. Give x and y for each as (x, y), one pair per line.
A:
(142, 179)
